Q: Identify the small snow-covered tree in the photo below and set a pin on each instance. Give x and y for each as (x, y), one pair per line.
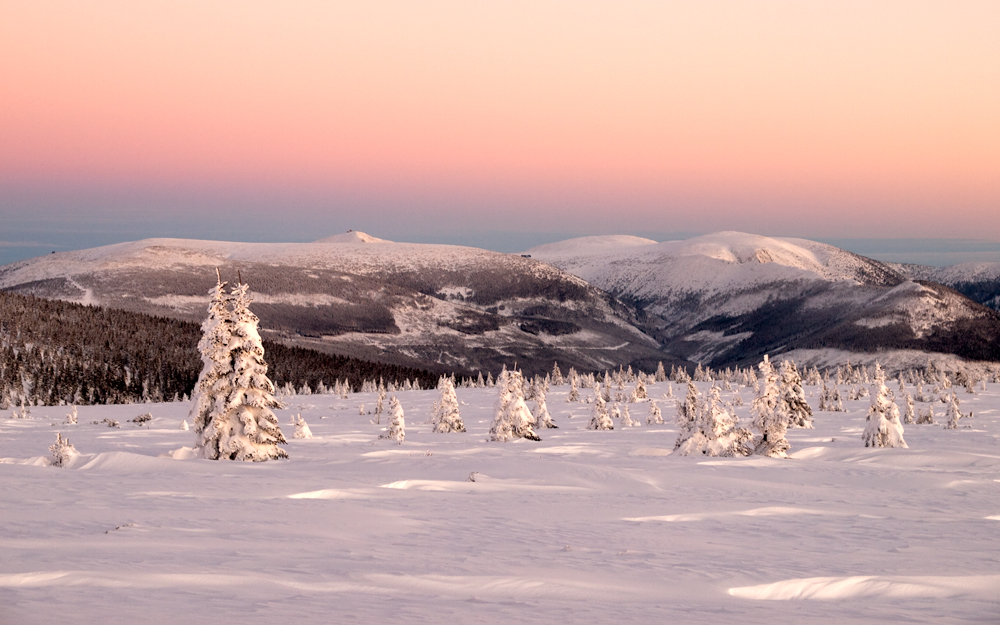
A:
(241, 424)
(882, 426)
(71, 418)
(574, 391)
(926, 418)
(909, 416)
(301, 428)
(627, 420)
(541, 413)
(379, 406)
(397, 423)
(557, 376)
(655, 416)
(639, 392)
(660, 375)
(446, 416)
(794, 397)
(715, 432)
(770, 415)
(599, 418)
(62, 451)
(511, 416)
(687, 415)
(184, 425)
(954, 414)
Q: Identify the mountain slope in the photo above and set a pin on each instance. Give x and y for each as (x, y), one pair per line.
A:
(980, 282)
(730, 297)
(419, 305)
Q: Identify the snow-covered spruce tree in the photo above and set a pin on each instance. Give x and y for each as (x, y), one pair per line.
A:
(799, 412)
(541, 413)
(557, 376)
(599, 418)
(882, 426)
(770, 415)
(241, 424)
(926, 418)
(216, 335)
(511, 417)
(574, 392)
(62, 451)
(954, 414)
(660, 375)
(627, 420)
(655, 416)
(909, 416)
(446, 417)
(716, 433)
(639, 393)
(301, 428)
(397, 423)
(379, 406)
(72, 417)
(688, 413)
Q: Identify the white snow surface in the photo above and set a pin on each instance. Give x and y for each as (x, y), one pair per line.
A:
(582, 527)
(717, 262)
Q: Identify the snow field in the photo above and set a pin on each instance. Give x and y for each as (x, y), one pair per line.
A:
(584, 526)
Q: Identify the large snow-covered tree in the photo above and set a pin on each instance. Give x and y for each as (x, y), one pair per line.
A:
(882, 426)
(216, 335)
(511, 417)
(770, 415)
(241, 424)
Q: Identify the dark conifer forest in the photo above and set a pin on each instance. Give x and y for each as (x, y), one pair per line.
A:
(54, 352)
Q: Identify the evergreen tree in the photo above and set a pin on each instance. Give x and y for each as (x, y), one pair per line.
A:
(241, 425)
(217, 334)
(770, 415)
(542, 417)
(574, 392)
(301, 428)
(953, 413)
(397, 423)
(799, 412)
(62, 451)
(688, 415)
(511, 417)
(655, 416)
(599, 419)
(660, 375)
(446, 416)
(557, 377)
(639, 393)
(716, 433)
(882, 426)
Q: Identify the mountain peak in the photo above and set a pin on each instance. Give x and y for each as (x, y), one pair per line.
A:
(353, 236)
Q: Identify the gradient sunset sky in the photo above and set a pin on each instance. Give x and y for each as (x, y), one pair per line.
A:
(480, 122)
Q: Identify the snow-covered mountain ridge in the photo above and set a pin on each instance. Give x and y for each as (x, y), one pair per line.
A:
(590, 302)
(413, 304)
(729, 295)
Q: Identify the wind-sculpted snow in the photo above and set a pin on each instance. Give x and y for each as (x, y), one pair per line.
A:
(583, 526)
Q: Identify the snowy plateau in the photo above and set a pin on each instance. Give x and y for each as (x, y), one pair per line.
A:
(581, 527)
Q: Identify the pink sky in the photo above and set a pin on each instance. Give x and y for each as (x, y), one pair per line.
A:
(807, 118)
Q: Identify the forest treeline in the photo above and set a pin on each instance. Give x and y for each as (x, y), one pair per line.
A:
(54, 352)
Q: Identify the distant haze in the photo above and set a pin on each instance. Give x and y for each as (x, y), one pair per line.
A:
(489, 123)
